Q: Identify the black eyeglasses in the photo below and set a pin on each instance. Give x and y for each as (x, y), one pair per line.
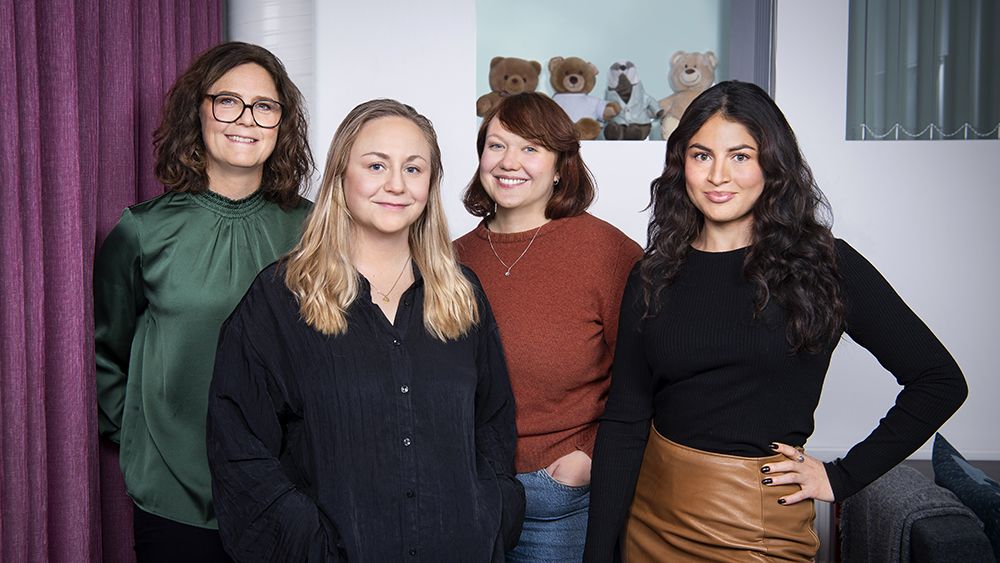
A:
(228, 108)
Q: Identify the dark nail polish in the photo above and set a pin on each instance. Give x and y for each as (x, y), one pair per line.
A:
(766, 481)
(765, 469)
(774, 446)
(781, 501)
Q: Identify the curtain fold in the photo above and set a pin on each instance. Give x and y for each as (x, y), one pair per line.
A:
(82, 85)
(924, 69)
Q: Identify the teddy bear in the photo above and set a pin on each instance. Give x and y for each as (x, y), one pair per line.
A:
(690, 75)
(573, 79)
(625, 89)
(508, 75)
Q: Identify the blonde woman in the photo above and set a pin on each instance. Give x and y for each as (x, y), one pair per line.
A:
(360, 408)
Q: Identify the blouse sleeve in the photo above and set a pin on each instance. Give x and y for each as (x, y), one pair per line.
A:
(933, 384)
(623, 431)
(496, 431)
(118, 301)
(262, 516)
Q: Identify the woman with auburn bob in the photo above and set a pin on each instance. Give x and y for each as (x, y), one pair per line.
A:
(232, 152)
(554, 275)
(726, 331)
(360, 408)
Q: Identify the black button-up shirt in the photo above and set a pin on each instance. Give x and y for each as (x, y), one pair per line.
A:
(381, 444)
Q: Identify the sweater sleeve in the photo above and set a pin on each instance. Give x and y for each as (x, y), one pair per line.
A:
(623, 431)
(118, 300)
(628, 254)
(933, 384)
(262, 516)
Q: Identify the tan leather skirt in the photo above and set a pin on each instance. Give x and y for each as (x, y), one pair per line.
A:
(693, 506)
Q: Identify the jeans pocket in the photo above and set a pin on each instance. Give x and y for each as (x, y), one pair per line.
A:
(548, 499)
(562, 486)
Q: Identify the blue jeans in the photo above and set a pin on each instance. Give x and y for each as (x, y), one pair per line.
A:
(555, 521)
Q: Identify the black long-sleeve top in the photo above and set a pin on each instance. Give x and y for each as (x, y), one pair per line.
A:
(711, 377)
(381, 444)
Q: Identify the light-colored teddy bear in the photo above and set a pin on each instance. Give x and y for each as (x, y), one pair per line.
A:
(690, 75)
(573, 79)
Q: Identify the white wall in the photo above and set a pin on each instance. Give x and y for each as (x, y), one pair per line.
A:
(920, 211)
(923, 212)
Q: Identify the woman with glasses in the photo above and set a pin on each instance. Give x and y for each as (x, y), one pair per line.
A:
(232, 153)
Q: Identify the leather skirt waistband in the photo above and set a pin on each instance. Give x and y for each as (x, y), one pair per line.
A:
(691, 505)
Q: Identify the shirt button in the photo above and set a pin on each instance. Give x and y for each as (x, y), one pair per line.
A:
(410, 494)
(396, 342)
(413, 551)
(406, 441)
(404, 389)
(407, 302)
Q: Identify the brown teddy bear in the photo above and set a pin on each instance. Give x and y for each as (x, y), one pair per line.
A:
(508, 75)
(573, 79)
(690, 75)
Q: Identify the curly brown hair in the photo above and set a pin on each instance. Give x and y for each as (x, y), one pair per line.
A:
(791, 255)
(181, 156)
(539, 119)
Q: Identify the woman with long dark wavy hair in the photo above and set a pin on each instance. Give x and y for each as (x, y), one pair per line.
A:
(232, 153)
(725, 336)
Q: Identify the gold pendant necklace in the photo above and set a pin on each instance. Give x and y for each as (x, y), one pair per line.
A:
(385, 297)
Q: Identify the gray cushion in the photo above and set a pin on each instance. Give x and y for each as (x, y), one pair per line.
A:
(949, 539)
(876, 523)
(972, 486)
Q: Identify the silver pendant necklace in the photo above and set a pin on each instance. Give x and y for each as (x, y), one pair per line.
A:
(490, 238)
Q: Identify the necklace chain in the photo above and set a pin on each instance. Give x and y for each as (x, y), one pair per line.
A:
(385, 297)
(490, 238)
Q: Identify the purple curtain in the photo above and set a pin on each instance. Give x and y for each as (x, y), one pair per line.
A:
(81, 82)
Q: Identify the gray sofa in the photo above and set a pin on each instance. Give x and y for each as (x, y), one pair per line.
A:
(905, 517)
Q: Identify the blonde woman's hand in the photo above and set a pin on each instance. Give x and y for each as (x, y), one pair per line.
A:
(803, 470)
(572, 469)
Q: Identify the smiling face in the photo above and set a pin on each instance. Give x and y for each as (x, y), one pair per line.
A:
(724, 179)
(238, 149)
(518, 175)
(388, 177)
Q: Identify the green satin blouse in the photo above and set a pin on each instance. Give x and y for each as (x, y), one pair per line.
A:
(165, 279)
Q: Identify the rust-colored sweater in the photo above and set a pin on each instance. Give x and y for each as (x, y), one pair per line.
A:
(558, 317)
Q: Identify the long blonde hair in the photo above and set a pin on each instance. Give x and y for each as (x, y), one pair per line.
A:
(319, 271)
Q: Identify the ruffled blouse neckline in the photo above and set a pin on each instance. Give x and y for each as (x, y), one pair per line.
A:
(231, 208)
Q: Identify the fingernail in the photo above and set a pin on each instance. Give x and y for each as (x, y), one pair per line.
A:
(766, 481)
(774, 446)
(765, 469)
(781, 501)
